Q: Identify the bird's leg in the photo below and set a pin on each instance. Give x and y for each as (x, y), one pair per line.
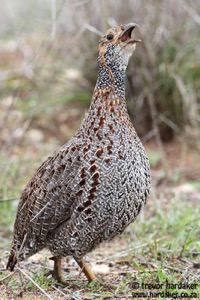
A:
(57, 272)
(88, 273)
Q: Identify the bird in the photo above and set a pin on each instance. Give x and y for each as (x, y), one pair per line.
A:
(95, 185)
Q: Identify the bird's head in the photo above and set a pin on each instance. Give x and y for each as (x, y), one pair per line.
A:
(116, 47)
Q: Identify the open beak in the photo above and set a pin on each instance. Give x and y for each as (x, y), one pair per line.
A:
(127, 33)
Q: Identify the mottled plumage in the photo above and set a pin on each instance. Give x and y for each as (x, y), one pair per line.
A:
(95, 185)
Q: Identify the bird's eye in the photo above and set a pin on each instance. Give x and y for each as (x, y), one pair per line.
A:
(110, 37)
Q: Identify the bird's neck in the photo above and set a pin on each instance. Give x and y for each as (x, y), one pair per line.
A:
(112, 79)
(108, 101)
(108, 109)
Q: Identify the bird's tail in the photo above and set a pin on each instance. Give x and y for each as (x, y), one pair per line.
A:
(12, 260)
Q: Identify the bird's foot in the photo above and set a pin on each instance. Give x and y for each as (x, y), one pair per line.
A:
(86, 270)
(58, 278)
(56, 273)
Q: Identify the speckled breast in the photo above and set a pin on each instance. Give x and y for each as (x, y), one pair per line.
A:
(111, 185)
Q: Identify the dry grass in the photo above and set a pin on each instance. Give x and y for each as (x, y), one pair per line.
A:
(53, 36)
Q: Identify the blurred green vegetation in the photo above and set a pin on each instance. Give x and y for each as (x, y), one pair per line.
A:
(48, 58)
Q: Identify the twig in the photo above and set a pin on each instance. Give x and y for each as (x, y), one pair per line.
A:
(157, 133)
(35, 283)
(193, 252)
(20, 249)
(186, 238)
(39, 213)
(125, 252)
(7, 276)
(186, 260)
(173, 269)
(93, 29)
(148, 136)
(79, 3)
(21, 278)
(2, 269)
(192, 12)
(54, 19)
(62, 293)
(8, 199)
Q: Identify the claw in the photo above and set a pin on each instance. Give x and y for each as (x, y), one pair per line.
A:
(57, 272)
(88, 273)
